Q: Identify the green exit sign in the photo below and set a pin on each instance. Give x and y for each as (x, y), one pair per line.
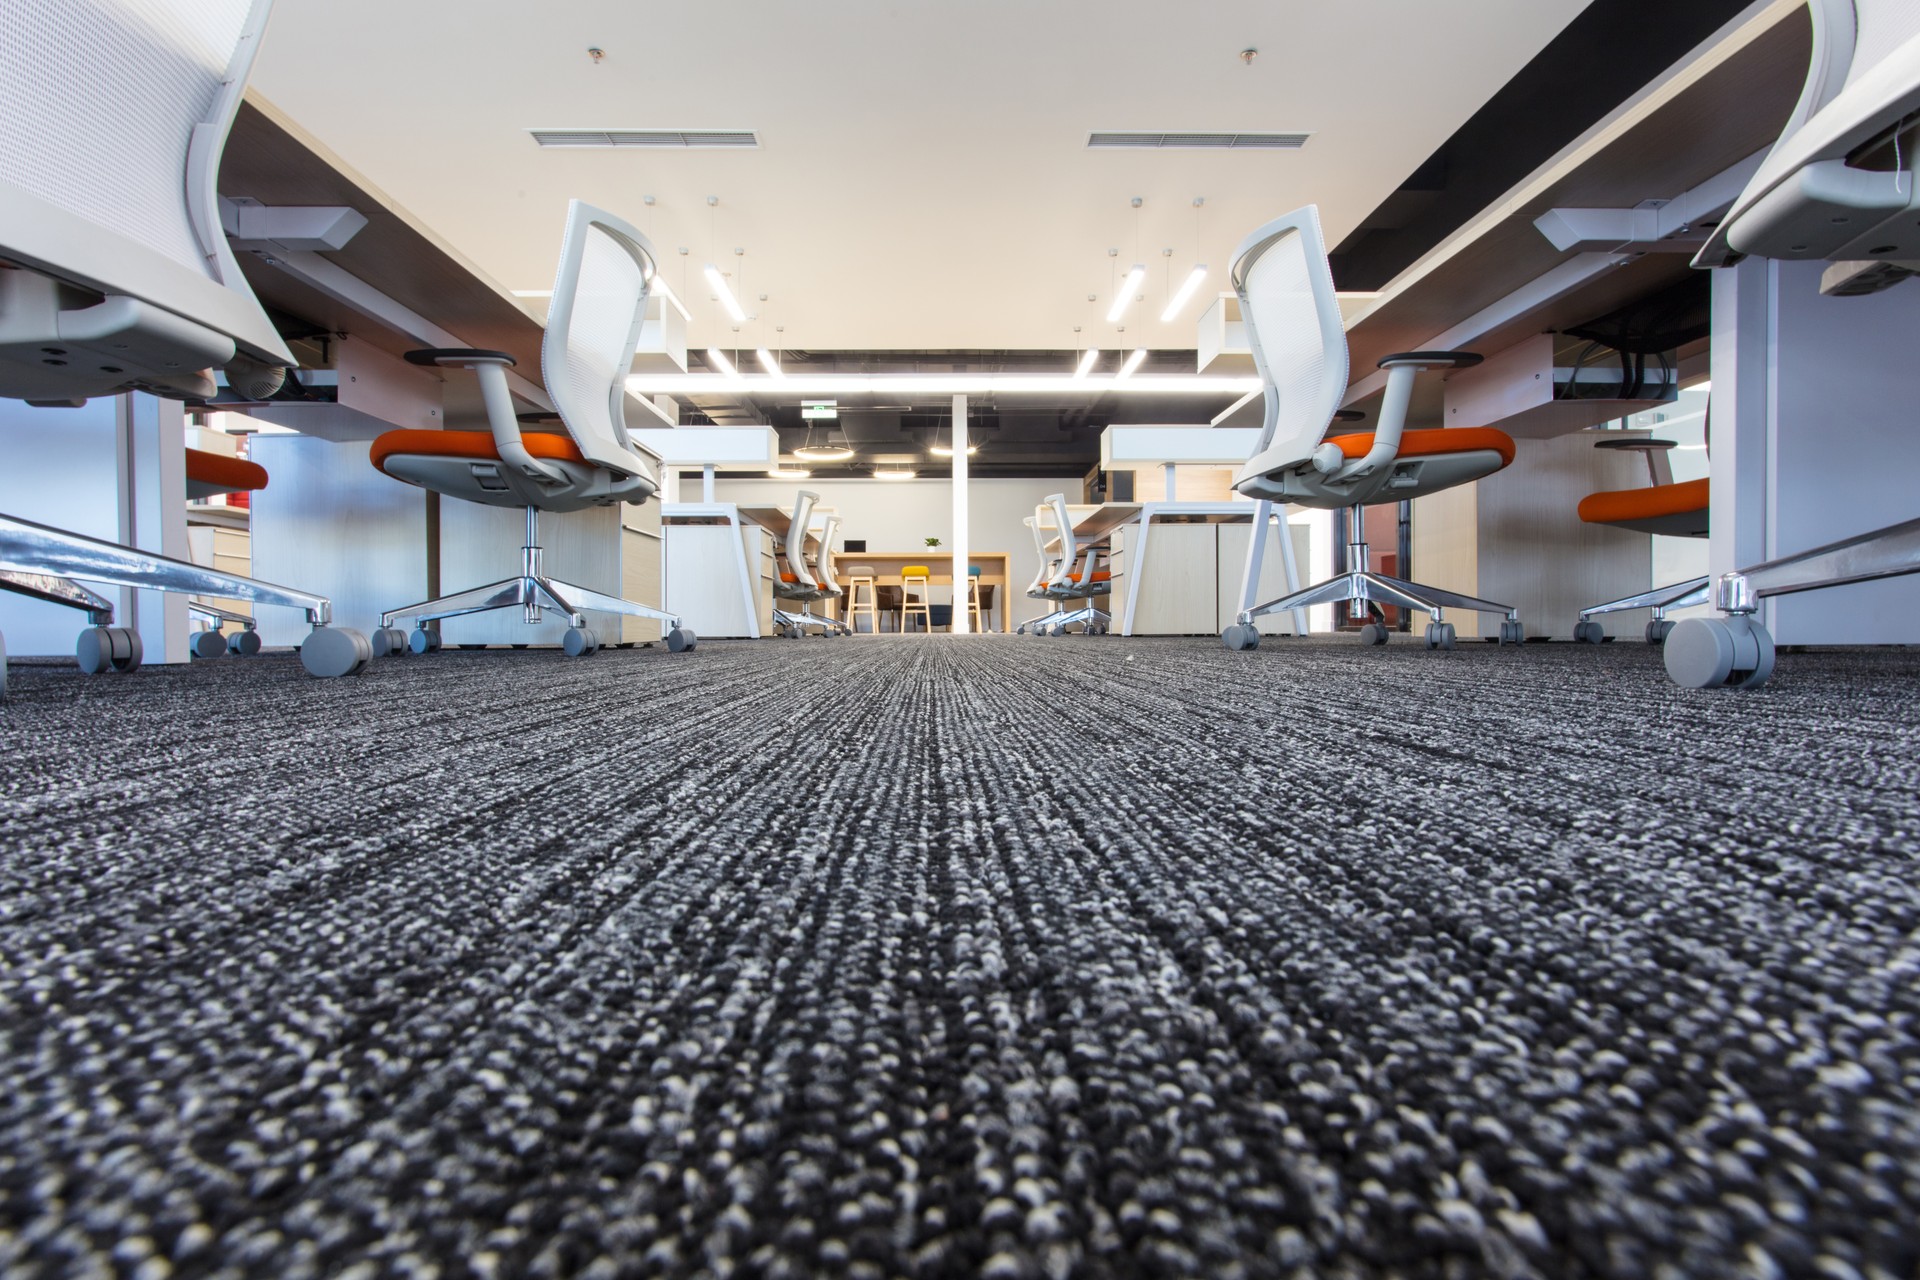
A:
(819, 409)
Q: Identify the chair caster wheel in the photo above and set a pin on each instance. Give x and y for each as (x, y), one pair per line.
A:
(424, 641)
(388, 641)
(1240, 637)
(1513, 633)
(329, 652)
(681, 639)
(1374, 633)
(1657, 630)
(1734, 652)
(1440, 635)
(244, 644)
(209, 644)
(581, 642)
(1585, 632)
(108, 649)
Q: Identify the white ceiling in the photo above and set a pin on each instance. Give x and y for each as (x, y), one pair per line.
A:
(923, 180)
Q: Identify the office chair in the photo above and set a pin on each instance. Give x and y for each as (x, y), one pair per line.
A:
(1300, 348)
(1839, 185)
(115, 275)
(593, 326)
(209, 475)
(830, 588)
(1663, 507)
(1065, 582)
(1038, 588)
(797, 583)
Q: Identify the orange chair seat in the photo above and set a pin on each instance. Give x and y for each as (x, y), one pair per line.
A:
(1432, 442)
(477, 445)
(1623, 506)
(789, 577)
(224, 473)
(1099, 575)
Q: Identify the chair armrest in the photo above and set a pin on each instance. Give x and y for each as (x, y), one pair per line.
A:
(1432, 359)
(522, 472)
(1401, 369)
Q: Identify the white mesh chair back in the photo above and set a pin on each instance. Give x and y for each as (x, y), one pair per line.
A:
(1293, 325)
(823, 563)
(115, 113)
(1055, 505)
(1880, 28)
(593, 327)
(794, 548)
(1045, 571)
(1810, 199)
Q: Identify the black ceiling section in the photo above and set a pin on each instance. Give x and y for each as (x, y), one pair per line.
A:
(1604, 56)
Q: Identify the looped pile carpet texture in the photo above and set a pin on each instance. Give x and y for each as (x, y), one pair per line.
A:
(935, 956)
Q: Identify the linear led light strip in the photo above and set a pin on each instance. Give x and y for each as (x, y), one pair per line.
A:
(735, 311)
(1184, 292)
(934, 384)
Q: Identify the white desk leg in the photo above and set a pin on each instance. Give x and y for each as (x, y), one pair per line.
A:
(1256, 554)
(746, 575)
(1136, 567)
(1293, 569)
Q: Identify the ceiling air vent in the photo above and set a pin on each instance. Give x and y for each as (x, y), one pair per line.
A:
(645, 137)
(1207, 141)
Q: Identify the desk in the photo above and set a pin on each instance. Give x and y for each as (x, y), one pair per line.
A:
(1201, 592)
(995, 571)
(329, 521)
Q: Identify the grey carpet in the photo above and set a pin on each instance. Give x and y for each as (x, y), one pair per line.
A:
(940, 957)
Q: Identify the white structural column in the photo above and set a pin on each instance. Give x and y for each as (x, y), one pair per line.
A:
(962, 621)
(1813, 440)
(153, 517)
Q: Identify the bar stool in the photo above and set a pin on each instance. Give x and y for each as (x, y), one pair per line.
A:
(973, 596)
(911, 576)
(858, 576)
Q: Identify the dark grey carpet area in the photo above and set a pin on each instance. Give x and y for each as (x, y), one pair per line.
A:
(963, 957)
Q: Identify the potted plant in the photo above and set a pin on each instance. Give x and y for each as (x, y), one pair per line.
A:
(933, 542)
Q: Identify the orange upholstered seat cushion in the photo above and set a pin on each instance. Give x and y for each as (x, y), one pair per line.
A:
(477, 445)
(1619, 506)
(232, 475)
(1433, 441)
(789, 577)
(1099, 575)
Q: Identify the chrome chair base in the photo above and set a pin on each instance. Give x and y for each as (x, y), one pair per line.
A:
(1094, 622)
(1362, 587)
(43, 562)
(534, 592)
